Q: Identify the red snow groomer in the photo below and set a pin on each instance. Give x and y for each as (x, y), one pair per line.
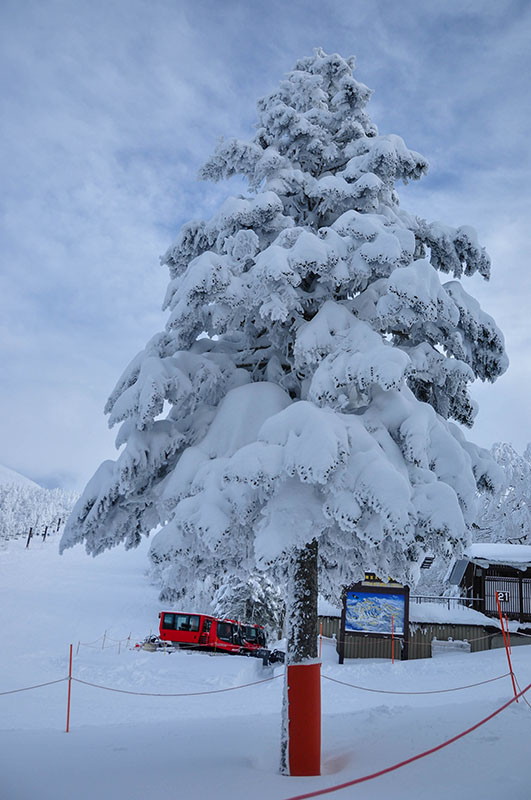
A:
(205, 633)
(200, 631)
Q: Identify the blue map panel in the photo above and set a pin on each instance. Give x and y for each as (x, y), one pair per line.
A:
(370, 612)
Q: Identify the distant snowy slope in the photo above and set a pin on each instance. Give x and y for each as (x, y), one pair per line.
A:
(24, 505)
(10, 477)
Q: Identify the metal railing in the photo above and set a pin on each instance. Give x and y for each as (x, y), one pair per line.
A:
(450, 603)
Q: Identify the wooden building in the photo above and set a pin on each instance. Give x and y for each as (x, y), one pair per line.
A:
(421, 638)
(486, 569)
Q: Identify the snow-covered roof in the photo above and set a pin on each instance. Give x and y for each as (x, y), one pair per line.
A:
(440, 614)
(511, 555)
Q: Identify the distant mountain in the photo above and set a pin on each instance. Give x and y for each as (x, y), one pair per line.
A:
(10, 477)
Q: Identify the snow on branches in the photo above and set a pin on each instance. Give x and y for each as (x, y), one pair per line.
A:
(505, 515)
(311, 364)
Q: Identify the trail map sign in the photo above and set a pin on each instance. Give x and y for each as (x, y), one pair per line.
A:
(373, 608)
(372, 612)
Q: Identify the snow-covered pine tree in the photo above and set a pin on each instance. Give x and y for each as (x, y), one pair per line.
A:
(310, 429)
(505, 515)
(255, 599)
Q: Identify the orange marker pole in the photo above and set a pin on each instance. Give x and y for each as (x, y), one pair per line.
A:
(506, 646)
(69, 692)
(392, 639)
(508, 635)
(304, 715)
(320, 640)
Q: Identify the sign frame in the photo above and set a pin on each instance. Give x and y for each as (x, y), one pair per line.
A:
(375, 587)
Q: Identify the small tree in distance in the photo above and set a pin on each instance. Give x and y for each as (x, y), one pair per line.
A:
(309, 432)
(505, 515)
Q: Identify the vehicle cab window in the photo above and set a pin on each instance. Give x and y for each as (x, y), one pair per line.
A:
(168, 621)
(194, 623)
(225, 631)
(187, 622)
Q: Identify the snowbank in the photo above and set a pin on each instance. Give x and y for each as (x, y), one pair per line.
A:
(224, 744)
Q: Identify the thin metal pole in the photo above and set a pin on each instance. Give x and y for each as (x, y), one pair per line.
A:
(69, 692)
(506, 646)
(508, 635)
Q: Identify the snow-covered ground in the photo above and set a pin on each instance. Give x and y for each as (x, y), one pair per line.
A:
(220, 745)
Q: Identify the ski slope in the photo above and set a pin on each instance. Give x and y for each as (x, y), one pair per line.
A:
(9, 477)
(222, 745)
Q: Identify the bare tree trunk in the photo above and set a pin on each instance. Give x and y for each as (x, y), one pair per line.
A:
(301, 624)
(302, 605)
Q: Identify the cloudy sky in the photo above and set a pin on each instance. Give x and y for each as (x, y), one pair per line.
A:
(109, 109)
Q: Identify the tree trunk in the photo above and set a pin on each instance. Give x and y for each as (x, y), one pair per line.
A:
(301, 711)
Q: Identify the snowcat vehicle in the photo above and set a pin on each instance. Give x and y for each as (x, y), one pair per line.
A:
(206, 633)
(200, 631)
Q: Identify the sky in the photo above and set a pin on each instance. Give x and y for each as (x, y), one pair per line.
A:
(109, 110)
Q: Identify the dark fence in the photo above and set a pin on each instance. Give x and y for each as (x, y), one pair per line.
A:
(449, 602)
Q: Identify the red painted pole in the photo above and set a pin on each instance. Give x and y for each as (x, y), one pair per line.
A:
(506, 646)
(69, 692)
(304, 715)
(508, 635)
(392, 639)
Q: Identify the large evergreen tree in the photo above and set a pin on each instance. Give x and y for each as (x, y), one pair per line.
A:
(310, 429)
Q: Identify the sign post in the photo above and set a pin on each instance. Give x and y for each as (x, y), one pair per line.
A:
(378, 610)
(500, 596)
(69, 692)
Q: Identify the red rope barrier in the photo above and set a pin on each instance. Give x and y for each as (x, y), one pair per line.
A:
(37, 686)
(180, 694)
(428, 691)
(413, 758)
(520, 689)
(255, 683)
